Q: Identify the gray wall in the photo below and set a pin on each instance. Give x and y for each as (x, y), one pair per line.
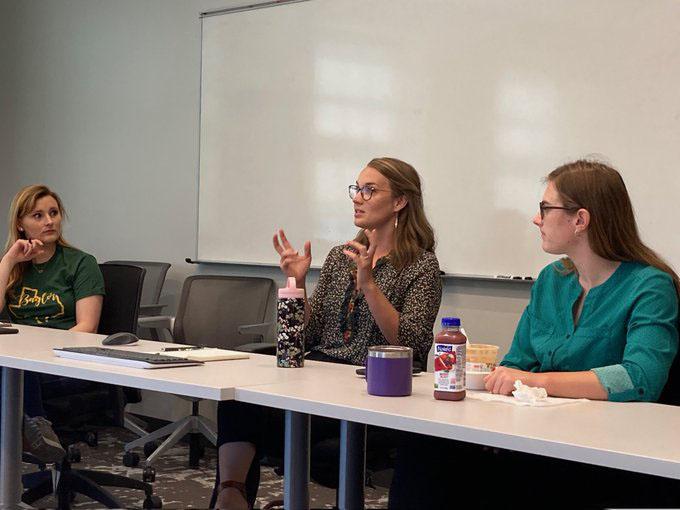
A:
(100, 100)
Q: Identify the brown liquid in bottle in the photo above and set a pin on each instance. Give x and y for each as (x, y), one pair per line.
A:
(449, 361)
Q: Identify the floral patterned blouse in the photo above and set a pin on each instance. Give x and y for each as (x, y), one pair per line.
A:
(341, 325)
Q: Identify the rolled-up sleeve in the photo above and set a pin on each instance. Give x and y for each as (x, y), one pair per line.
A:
(419, 311)
(651, 344)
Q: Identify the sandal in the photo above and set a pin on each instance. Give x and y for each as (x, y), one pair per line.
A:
(239, 486)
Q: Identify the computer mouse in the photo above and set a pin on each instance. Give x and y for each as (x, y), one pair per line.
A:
(123, 338)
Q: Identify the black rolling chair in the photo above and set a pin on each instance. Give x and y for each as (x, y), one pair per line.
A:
(150, 307)
(119, 313)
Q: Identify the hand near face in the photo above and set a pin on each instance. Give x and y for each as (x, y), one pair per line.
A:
(502, 380)
(293, 263)
(363, 258)
(24, 250)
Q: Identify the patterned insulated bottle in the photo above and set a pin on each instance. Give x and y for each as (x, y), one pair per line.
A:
(290, 323)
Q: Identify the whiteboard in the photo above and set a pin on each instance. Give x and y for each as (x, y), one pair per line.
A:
(484, 98)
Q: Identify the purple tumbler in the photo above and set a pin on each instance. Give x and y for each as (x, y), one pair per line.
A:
(388, 370)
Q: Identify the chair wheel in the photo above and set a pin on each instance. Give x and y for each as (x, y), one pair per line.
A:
(152, 502)
(92, 439)
(130, 459)
(150, 447)
(149, 476)
(73, 454)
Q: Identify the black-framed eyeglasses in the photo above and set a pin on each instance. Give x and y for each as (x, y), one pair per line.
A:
(366, 191)
(542, 206)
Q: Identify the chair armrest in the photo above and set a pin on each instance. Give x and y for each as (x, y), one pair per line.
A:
(255, 329)
(157, 322)
(149, 310)
(257, 348)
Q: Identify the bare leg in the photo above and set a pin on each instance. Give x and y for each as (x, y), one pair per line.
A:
(234, 459)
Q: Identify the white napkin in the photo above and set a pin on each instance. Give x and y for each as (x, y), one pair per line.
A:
(525, 396)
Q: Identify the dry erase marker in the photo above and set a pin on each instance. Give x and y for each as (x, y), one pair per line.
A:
(504, 276)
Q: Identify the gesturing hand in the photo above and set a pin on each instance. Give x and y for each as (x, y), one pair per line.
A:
(24, 250)
(363, 258)
(292, 263)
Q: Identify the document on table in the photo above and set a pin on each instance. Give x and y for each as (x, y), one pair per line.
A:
(206, 354)
(548, 402)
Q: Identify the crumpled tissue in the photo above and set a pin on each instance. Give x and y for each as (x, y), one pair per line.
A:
(529, 394)
(524, 396)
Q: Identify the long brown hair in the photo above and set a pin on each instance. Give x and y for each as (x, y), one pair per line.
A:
(23, 203)
(613, 232)
(413, 233)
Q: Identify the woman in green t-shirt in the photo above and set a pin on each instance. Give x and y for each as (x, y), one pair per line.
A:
(46, 283)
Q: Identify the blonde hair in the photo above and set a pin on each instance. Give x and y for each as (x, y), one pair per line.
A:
(613, 232)
(414, 232)
(23, 203)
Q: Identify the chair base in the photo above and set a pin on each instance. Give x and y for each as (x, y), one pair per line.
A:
(65, 482)
(195, 425)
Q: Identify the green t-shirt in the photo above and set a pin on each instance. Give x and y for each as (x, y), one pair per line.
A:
(48, 292)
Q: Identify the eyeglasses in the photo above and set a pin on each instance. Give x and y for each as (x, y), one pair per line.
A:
(543, 207)
(366, 191)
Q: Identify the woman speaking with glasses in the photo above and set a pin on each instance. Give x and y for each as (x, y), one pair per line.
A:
(382, 287)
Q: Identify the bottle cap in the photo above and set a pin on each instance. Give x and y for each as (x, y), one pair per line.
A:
(448, 322)
(290, 291)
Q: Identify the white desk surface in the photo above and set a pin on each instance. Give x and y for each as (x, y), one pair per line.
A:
(31, 349)
(634, 436)
(637, 437)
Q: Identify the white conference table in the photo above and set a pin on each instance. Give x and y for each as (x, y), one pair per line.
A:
(638, 437)
(31, 350)
(633, 436)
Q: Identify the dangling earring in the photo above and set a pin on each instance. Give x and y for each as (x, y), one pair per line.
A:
(396, 221)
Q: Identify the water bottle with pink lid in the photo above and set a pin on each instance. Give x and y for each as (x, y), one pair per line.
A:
(290, 323)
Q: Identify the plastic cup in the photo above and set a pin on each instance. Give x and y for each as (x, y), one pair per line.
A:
(480, 361)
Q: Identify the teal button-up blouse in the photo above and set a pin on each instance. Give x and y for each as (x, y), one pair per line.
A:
(627, 332)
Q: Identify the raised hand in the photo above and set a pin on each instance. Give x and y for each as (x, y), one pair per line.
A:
(24, 250)
(363, 258)
(292, 262)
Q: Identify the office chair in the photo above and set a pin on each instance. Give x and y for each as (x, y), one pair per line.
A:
(149, 312)
(119, 313)
(150, 307)
(212, 312)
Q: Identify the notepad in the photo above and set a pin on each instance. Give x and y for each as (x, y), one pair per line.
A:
(207, 354)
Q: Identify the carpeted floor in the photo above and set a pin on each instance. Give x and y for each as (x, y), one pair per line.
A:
(180, 486)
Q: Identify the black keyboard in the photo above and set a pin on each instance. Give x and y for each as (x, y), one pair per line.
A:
(144, 357)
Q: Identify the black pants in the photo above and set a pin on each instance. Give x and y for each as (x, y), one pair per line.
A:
(438, 473)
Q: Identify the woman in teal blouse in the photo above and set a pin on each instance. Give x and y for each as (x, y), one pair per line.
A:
(601, 323)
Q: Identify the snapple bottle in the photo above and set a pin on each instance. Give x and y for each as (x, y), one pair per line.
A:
(449, 361)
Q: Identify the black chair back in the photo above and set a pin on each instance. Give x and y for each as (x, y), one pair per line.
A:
(120, 310)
